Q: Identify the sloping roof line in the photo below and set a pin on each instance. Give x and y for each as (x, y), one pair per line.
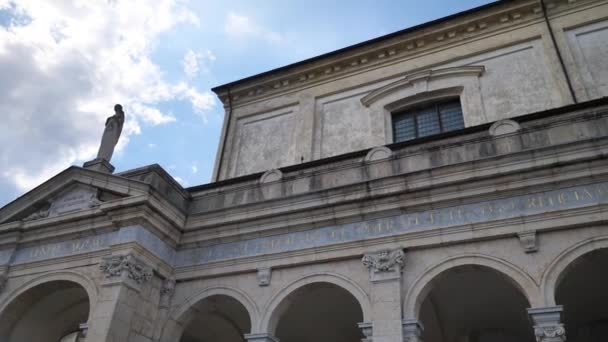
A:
(358, 45)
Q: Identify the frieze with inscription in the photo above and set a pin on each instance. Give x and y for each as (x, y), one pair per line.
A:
(62, 249)
(513, 207)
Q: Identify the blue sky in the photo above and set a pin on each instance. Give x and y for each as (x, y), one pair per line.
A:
(65, 63)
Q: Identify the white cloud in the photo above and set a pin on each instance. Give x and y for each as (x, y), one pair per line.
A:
(193, 62)
(64, 64)
(201, 102)
(194, 169)
(241, 26)
(152, 145)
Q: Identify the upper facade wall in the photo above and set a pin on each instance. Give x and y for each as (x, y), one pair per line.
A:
(500, 62)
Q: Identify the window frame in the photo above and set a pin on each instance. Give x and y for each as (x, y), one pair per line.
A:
(416, 110)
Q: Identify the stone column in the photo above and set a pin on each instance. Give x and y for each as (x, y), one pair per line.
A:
(548, 326)
(261, 338)
(385, 275)
(412, 330)
(118, 314)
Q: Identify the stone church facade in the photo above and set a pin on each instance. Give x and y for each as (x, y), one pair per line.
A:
(444, 183)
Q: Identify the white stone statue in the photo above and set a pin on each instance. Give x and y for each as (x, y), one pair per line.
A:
(111, 134)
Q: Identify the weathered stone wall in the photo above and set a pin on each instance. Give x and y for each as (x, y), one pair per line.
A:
(526, 198)
(329, 115)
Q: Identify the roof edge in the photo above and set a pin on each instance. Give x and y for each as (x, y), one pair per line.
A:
(218, 89)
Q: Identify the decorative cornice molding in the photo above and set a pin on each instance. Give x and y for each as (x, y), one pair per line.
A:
(395, 48)
(126, 265)
(425, 75)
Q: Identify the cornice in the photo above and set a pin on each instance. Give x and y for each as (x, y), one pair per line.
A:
(390, 194)
(505, 228)
(468, 27)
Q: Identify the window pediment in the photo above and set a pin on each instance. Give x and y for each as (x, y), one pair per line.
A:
(425, 75)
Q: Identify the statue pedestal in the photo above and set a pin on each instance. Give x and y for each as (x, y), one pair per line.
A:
(99, 165)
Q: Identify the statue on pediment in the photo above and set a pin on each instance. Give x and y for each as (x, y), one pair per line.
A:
(111, 134)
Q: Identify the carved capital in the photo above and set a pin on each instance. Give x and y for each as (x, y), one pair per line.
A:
(551, 333)
(412, 330)
(548, 325)
(385, 264)
(384, 261)
(126, 265)
(367, 330)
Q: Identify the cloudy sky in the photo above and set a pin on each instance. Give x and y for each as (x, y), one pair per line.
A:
(64, 64)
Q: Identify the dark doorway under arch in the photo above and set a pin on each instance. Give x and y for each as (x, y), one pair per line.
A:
(49, 312)
(583, 291)
(217, 318)
(475, 304)
(320, 312)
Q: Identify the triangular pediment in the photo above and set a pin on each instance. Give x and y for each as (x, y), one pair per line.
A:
(75, 198)
(73, 190)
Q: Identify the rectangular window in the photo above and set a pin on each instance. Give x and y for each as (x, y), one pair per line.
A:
(428, 120)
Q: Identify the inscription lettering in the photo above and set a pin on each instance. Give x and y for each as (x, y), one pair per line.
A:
(523, 205)
(61, 249)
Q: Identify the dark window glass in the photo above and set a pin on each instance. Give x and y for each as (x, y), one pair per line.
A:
(428, 120)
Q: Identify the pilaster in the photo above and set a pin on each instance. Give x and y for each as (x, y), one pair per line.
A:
(548, 326)
(123, 309)
(167, 290)
(385, 274)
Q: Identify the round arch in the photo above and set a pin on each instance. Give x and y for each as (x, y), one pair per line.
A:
(270, 315)
(554, 272)
(75, 277)
(56, 303)
(423, 284)
(178, 317)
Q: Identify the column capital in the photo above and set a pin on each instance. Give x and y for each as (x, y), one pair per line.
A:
(548, 326)
(261, 338)
(127, 269)
(412, 330)
(384, 265)
(367, 330)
